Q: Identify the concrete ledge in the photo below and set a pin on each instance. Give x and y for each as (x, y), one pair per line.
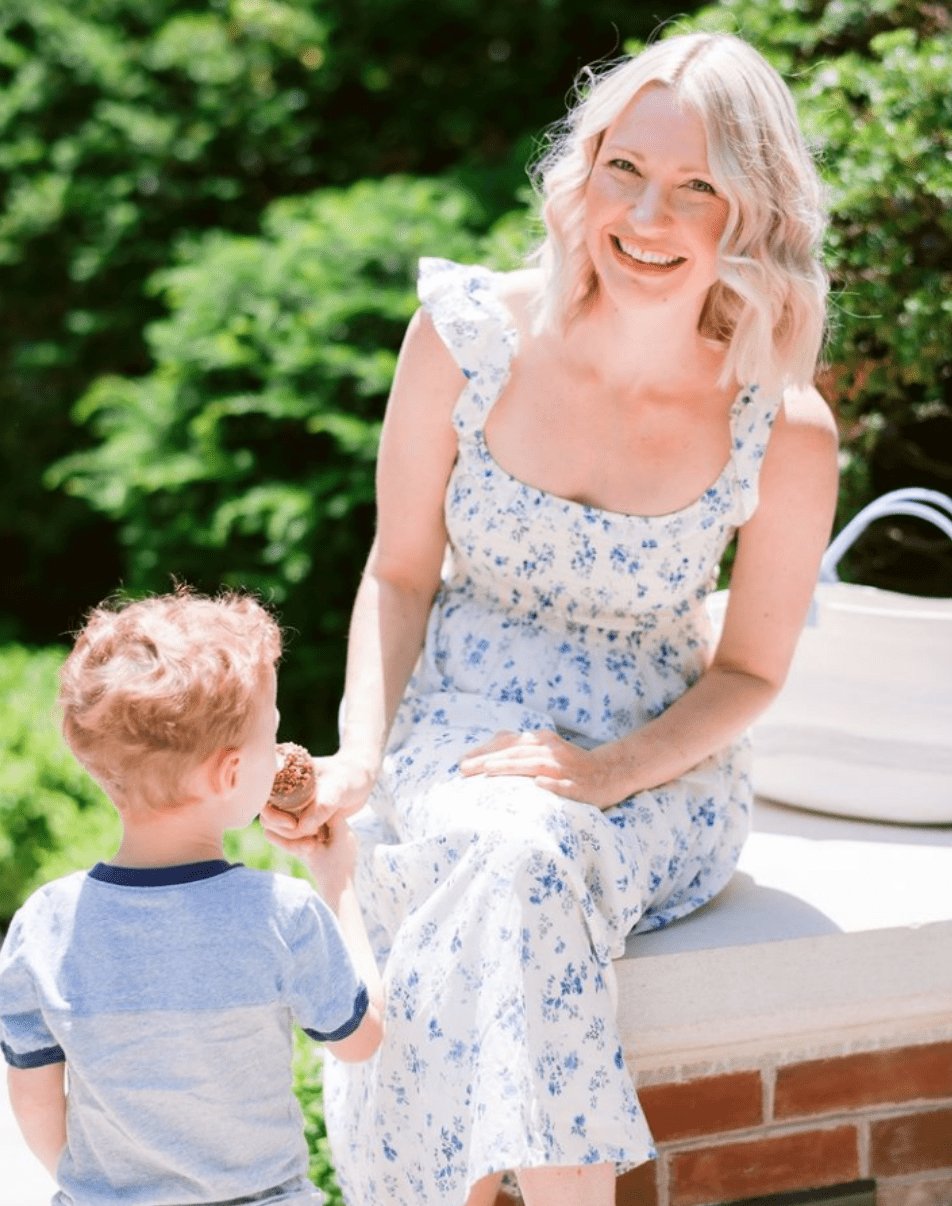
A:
(833, 936)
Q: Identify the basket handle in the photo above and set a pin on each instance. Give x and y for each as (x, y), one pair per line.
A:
(912, 500)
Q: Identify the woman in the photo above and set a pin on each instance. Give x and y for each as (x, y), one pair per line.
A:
(567, 452)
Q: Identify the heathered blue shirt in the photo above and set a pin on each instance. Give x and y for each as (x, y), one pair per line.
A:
(170, 993)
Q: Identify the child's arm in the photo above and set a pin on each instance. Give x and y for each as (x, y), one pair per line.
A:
(367, 1037)
(38, 1098)
(331, 863)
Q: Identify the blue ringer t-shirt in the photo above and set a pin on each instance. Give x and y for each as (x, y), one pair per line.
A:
(170, 993)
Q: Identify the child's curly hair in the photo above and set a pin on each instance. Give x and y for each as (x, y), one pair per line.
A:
(153, 688)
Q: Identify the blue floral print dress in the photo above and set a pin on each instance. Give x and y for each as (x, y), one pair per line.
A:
(497, 907)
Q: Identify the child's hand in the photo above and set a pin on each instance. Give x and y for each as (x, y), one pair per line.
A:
(331, 861)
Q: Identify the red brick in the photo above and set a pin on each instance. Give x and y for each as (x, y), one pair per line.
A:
(854, 1081)
(703, 1107)
(638, 1187)
(807, 1160)
(914, 1143)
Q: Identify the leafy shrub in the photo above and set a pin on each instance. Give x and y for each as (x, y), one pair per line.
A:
(127, 123)
(247, 456)
(53, 817)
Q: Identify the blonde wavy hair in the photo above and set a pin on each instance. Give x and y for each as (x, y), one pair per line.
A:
(768, 306)
(153, 688)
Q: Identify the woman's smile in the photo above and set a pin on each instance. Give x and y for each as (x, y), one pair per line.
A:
(645, 258)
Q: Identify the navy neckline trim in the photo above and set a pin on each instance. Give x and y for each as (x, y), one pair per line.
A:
(160, 877)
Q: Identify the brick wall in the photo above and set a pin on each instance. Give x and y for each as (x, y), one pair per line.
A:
(781, 1127)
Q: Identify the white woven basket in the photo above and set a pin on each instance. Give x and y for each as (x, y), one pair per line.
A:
(863, 725)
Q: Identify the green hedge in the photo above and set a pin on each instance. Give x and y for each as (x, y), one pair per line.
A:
(247, 456)
(53, 817)
(126, 124)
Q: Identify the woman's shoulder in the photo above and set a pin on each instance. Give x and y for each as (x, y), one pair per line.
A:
(444, 280)
(519, 285)
(805, 414)
(805, 404)
(804, 434)
(478, 315)
(518, 291)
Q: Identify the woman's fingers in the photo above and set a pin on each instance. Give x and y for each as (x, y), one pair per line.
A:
(293, 828)
(554, 764)
(534, 753)
(501, 740)
(283, 824)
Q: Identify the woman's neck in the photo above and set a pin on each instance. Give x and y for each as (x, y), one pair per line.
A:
(654, 347)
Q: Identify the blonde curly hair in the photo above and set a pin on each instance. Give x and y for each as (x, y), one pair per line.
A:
(153, 688)
(768, 306)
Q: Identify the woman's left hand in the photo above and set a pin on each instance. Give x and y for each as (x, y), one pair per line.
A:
(589, 776)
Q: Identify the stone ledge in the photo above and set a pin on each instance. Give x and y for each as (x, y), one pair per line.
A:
(833, 936)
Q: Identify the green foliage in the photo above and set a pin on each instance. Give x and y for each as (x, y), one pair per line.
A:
(121, 121)
(247, 456)
(53, 817)
(126, 124)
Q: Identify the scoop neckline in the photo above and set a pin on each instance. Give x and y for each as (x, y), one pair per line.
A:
(574, 503)
(510, 341)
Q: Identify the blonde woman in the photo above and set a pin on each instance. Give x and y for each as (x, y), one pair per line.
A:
(550, 748)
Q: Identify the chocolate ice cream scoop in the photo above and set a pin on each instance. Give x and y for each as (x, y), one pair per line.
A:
(293, 787)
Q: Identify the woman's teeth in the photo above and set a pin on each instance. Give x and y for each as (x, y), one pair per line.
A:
(647, 257)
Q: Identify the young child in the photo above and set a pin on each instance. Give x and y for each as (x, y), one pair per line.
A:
(165, 981)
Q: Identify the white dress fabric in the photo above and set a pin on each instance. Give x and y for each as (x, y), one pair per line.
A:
(496, 907)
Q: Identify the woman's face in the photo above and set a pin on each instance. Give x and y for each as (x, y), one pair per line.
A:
(653, 217)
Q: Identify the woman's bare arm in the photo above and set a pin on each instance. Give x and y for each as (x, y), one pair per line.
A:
(417, 451)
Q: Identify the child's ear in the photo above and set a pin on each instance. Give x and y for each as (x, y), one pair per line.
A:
(223, 768)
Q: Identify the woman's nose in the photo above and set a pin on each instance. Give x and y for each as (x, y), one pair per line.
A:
(649, 208)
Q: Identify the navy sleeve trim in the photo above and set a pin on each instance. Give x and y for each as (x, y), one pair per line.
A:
(361, 1004)
(33, 1059)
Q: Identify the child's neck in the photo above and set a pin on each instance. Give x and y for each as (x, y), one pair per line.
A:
(167, 839)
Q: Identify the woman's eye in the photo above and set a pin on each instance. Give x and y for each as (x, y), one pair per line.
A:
(624, 165)
(701, 186)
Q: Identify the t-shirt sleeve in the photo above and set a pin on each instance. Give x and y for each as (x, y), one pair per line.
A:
(325, 994)
(25, 1038)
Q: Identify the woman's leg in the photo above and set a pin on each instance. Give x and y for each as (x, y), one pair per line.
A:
(578, 1185)
(484, 1192)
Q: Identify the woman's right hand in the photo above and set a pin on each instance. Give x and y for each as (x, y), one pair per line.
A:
(342, 785)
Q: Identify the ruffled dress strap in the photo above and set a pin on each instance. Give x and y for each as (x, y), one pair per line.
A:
(752, 419)
(477, 329)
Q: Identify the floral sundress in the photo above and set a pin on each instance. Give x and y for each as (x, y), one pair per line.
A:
(496, 907)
